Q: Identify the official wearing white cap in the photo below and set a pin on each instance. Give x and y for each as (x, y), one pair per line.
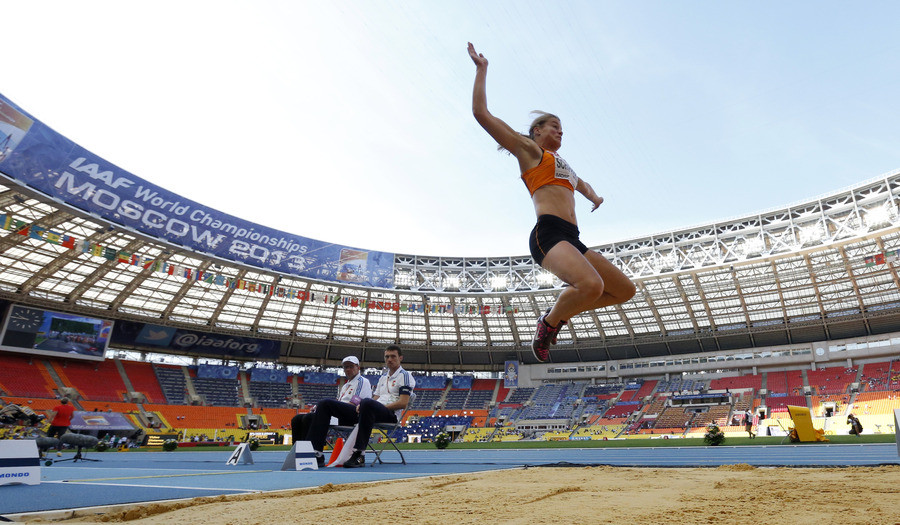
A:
(354, 389)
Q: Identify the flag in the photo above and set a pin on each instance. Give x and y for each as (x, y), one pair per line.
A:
(52, 237)
(870, 261)
(37, 233)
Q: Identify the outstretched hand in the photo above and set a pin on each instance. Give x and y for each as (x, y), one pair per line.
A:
(597, 202)
(478, 58)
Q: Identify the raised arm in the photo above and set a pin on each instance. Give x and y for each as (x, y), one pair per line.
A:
(585, 189)
(519, 145)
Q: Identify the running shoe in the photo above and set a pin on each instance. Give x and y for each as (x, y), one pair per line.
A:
(544, 336)
(558, 328)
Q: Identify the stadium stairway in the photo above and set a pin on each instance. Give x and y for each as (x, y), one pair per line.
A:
(859, 376)
(444, 394)
(189, 384)
(129, 388)
(245, 388)
(48, 370)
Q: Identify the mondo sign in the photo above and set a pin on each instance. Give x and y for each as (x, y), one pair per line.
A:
(34, 155)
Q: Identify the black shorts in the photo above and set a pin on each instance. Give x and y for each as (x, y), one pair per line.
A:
(56, 431)
(549, 231)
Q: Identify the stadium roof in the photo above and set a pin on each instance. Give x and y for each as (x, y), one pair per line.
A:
(817, 270)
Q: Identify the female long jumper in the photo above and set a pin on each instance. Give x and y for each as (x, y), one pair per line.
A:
(593, 281)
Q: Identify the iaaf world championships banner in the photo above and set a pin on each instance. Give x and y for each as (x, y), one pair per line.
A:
(35, 155)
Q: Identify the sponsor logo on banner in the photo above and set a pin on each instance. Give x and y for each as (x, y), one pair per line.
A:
(155, 335)
(218, 345)
(19, 462)
(36, 156)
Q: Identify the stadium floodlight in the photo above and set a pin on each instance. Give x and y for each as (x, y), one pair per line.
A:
(754, 245)
(877, 216)
(811, 234)
(403, 279)
(451, 282)
(498, 281)
(545, 279)
(664, 262)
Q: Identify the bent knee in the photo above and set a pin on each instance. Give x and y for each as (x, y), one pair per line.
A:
(592, 288)
(628, 292)
(366, 403)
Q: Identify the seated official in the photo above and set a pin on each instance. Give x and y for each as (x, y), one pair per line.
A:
(355, 389)
(391, 397)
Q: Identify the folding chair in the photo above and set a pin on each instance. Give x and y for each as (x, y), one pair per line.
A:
(387, 429)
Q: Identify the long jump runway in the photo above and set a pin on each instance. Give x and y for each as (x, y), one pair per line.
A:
(138, 477)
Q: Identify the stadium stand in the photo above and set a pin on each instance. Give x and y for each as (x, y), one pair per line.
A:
(481, 395)
(834, 380)
(779, 404)
(94, 380)
(172, 382)
(753, 381)
(877, 376)
(278, 418)
(271, 395)
(674, 418)
(143, 380)
(788, 382)
(25, 376)
(219, 392)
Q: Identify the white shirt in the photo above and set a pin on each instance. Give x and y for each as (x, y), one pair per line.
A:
(358, 386)
(392, 386)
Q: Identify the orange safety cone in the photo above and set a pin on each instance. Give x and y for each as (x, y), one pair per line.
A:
(336, 451)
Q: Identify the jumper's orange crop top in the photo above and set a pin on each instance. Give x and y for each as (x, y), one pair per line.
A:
(552, 171)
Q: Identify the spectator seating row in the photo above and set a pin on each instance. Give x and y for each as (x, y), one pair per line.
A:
(25, 376)
(835, 380)
(753, 381)
(785, 382)
(94, 380)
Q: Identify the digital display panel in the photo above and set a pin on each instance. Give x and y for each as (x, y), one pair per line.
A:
(44, 332)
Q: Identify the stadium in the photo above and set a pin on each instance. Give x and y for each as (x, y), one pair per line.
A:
(207, 210)
(113, 305)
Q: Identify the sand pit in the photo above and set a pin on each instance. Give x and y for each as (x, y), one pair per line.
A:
(727, 494)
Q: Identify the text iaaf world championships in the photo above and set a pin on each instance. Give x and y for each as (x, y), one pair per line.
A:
(155, 220)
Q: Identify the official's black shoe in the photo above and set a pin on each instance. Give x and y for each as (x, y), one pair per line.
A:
(357, 459)
(320, 460)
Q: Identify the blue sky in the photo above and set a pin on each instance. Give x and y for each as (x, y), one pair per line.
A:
(351, 121)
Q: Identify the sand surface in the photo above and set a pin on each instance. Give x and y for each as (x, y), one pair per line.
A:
(728, 494)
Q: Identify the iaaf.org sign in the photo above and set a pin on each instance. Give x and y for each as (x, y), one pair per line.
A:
(216, 345)
(36, 156)
(225, 345)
